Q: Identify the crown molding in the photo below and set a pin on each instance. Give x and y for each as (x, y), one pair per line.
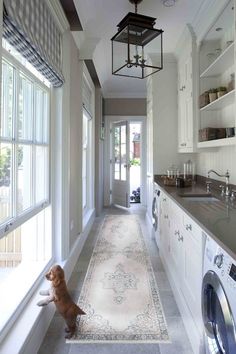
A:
(59, 15)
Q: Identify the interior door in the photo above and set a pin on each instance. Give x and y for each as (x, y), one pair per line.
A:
(121, 164)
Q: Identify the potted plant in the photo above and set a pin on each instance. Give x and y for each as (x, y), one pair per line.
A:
(212, 95)
(221, 91)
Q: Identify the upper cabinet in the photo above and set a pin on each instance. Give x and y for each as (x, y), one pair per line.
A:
(216, 83)
(186, 53)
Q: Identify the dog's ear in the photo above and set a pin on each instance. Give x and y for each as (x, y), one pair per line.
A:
(60, 272)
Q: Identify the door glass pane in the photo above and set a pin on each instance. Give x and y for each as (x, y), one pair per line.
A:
(117, 152)
(123, 153)
(24, 174)
(25, 121)
(41, 169)
(5, 181)
(123, 162)
(7, 100)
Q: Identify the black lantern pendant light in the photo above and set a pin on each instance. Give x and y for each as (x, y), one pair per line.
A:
(136, 38)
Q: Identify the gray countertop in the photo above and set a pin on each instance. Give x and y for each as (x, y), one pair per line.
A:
(216, 218)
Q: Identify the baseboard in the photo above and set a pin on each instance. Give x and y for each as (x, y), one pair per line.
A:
(29, 330)
(195, 338)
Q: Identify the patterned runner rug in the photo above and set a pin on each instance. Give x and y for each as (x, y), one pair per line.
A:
(120, 294)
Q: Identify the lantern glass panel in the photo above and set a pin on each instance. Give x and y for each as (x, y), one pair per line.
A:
(131, 49)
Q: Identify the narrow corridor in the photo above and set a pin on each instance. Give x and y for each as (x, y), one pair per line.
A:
(54, 342)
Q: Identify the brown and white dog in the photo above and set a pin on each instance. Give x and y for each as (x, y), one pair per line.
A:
(59, 294)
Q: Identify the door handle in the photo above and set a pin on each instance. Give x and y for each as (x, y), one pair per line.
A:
(127, 165)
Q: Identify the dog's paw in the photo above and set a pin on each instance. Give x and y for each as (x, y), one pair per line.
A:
(41, 303)
(44, 292)
(69, 335)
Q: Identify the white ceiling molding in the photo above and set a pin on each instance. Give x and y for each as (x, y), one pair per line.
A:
(86, 45)
(202, 23)
(59, 15)
(125, 95)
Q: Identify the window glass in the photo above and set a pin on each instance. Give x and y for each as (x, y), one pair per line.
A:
(25, 121)
(41, 160)
(7, 100)
(24, 177)
(5, 181)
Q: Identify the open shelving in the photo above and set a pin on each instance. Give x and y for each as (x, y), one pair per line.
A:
(217, 143)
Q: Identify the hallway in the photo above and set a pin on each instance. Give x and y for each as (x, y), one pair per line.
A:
(54, 342)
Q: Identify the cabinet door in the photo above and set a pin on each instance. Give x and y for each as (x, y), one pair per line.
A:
(185, 101)
(164, 226)
(192, 274)
(176, 245)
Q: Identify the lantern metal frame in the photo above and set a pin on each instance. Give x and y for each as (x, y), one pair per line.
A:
(138, 30)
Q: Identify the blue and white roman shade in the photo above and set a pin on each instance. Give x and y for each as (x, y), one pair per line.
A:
(29, 26)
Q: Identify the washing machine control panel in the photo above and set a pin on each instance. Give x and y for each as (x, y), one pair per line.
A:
(219, 259)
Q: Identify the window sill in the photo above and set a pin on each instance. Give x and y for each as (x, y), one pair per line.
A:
(16, 290)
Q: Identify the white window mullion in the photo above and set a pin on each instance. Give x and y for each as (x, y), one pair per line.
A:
(14, 138)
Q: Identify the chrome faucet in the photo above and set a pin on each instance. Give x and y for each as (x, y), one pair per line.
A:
(226, 175)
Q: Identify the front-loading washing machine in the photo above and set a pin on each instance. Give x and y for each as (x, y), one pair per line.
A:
(219, 299)
(155, 213)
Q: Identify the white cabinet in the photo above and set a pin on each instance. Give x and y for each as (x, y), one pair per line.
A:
(192, 267)
(181, 250)
(186, 112)
(164, 225)
(217, 68)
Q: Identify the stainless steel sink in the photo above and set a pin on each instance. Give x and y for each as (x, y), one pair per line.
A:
(202, 199)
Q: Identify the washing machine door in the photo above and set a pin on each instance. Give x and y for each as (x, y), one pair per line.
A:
(154, 214)
(217, 317)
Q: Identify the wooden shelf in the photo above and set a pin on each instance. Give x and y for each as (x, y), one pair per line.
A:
(224, 61)
(221, 102)
(217, 143)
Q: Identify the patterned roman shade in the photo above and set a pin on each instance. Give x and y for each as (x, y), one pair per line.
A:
(29, 26)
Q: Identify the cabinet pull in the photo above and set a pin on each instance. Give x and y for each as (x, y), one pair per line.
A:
(180, 238)
(176, 232)
(188, 227)
(183, 144)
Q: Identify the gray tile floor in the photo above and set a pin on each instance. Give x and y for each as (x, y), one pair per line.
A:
(54, 342)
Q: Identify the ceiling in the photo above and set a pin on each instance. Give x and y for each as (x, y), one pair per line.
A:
(99, 19)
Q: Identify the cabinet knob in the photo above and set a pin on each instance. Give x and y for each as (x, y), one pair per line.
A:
(188, 227)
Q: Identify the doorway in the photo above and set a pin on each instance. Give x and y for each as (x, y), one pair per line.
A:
(125, 151)
(135, 162)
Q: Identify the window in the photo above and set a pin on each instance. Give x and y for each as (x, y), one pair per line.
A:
(87, 148)
(25, 213)
(86, 169)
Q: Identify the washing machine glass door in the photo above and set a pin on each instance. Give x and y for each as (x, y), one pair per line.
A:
(154, 213)
(217, 317)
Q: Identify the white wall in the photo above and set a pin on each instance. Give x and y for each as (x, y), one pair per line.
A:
(220, 160)
(75, 131)
(165, 118)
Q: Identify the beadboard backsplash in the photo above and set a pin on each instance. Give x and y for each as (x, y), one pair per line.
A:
(221, 160)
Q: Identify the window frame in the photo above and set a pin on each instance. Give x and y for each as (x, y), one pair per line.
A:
(15, 221)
